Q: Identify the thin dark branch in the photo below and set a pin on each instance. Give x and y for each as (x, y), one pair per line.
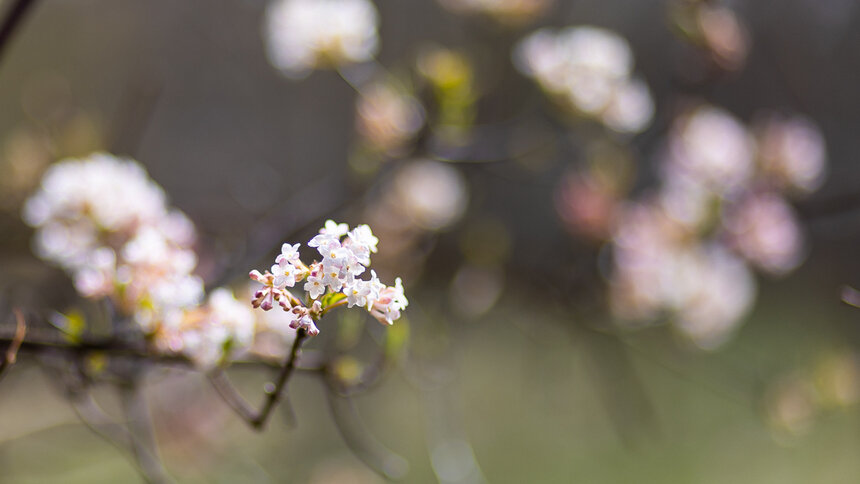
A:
(257, 419)
(231, 396)
(283, 378)
(14, 18)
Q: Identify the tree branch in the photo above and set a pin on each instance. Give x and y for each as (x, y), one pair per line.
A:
(13, 19)
(14, 345)
(257, 419)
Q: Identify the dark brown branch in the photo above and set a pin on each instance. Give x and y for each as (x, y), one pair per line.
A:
(257, 419)
(14, 18)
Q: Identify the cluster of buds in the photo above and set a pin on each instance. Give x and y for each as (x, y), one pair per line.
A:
(589, 71)
(106, 223)
(331, 282)
(687, 250)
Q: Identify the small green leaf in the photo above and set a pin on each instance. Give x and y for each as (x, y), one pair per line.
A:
(72, 324)
(331, 299)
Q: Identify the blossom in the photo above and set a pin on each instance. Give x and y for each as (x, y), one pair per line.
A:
(302, 35)
(712, 146)
(792, 151)
(387, 116)
(211, 334)
(391, 300)
(331, 282)
(765, 230)
(590, 70)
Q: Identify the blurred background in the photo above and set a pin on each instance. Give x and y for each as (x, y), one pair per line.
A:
(645, 290)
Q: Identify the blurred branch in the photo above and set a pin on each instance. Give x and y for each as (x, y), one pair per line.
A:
(360, 441)
(12, 351)
(257, 419)
(15, 16)
(140, 431)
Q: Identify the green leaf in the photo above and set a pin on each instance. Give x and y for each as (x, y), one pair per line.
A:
(72, 324)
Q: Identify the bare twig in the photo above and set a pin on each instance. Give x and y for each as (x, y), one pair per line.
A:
(15, 16)
(12, 351)
(257, 419)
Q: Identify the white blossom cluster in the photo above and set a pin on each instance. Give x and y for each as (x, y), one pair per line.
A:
(686, 250)
(302, 35)
(331, 282)
(106, 223)
(590, 70)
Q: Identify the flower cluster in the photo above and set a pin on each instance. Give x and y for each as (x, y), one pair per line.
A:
(714, 28)
(331, 282)
(721, 207)
(589, 70)
(387, 116)
(302, 35)
(506, 12)
(106, 223)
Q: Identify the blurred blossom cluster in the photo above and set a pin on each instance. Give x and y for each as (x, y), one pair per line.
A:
(715, 29)
(331, 282)
(793, 401)
(107, 224)
(421, 197)
(506, 12)
(387, 116)
(302, 35)
(589, 71)
(686, 250)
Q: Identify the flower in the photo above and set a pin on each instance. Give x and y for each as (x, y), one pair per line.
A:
(589, 69)
(302, 35)
(331, 282)
(712, 146)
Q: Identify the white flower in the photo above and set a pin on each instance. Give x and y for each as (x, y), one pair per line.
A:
(361, 293)
(315, 285)
(332, 276)
(631, 107)
(389, 303)
(361, 242)
(793, 151)
(285, 274)
(305, 34)
(432, 195)
(712, 146)
(589, 68)
(765, 231)
(289, 254)
(334, 229)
